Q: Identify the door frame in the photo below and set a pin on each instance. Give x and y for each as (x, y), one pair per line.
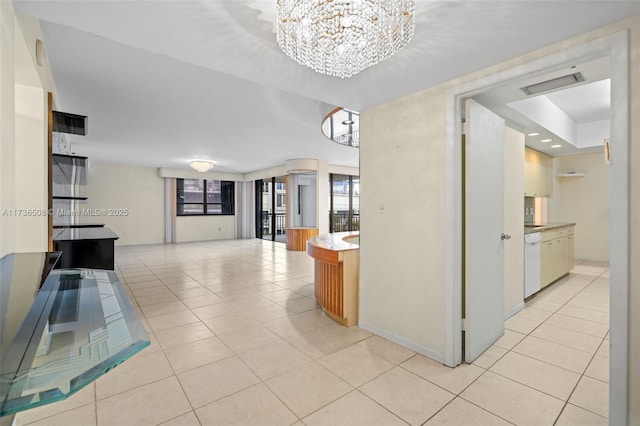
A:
(616, 47)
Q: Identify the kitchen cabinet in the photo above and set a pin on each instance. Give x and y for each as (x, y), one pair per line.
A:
(570, 252)
(556, 254)
(538, 172)
(547, 259)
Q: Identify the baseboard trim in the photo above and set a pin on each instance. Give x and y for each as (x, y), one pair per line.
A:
(511, 312)
(429, 353)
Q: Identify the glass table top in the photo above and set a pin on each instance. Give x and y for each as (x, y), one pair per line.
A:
(60, 334)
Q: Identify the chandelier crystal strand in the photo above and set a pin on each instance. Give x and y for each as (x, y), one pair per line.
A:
(343, 37)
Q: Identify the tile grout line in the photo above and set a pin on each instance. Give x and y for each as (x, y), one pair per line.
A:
(566, 402)
(530, 334)
(236, 355)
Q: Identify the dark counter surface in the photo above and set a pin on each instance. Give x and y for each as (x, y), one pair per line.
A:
(80, 225)
(77, 234)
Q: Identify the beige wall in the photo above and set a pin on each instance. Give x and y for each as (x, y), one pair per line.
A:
(23, 126)
(403, 212)
(402, 205)
(344, 170)
(585, 201)
(513, 217)
(30, 226)
(266, 173)
(7, 126)
(138, 189)
(203, 228)
(634, 227)
(41, 75)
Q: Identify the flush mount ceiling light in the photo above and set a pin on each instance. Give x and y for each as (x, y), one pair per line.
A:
(533, 134)
(201, 165)
(343, 37)
(556, 146)
(546, 140)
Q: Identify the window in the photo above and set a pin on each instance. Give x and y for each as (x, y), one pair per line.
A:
(344, 203)
(205, 197)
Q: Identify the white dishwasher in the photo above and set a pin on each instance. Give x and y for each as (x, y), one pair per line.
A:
(531, 263)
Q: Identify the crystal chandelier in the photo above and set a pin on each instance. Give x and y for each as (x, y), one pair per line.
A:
(343, 37)
(201, 165)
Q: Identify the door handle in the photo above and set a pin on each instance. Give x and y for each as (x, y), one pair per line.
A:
(504, 236)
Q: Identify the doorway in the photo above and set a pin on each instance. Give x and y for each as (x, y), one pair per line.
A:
(271, 209)
(616, 48)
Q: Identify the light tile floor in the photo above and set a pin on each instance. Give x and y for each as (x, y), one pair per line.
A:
(238, 339)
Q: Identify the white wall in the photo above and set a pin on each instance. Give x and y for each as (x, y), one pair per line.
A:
(7, 126)
(513, 217)
(634, 231)
(585, 201)
(204, 228)
(138, 189)
(323, 196)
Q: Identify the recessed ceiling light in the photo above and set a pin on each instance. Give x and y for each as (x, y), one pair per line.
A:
(533, 134)
(556, 146)
(546, 140)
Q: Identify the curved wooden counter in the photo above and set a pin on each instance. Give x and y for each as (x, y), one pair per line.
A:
(297, 238)
(337, 274)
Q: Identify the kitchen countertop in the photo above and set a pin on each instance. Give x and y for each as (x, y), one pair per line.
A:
(541, 227)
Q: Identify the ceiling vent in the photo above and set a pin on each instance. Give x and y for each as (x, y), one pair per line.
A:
(553, 84)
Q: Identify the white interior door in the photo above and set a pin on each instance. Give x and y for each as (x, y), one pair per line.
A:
(484, 227)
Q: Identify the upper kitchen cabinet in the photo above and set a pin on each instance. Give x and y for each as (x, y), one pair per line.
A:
(538, 170)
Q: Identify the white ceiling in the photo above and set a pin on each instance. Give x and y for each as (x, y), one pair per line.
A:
(163, 82)
(583, 103)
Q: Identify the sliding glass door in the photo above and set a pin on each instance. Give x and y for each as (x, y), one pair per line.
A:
(271, 208)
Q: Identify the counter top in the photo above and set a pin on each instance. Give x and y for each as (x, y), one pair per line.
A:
(336, 241)
(541, 227)
(77, 234)
(80, 225)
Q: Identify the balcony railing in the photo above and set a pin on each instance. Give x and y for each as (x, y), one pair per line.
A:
(340, 222)
(281, 225)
